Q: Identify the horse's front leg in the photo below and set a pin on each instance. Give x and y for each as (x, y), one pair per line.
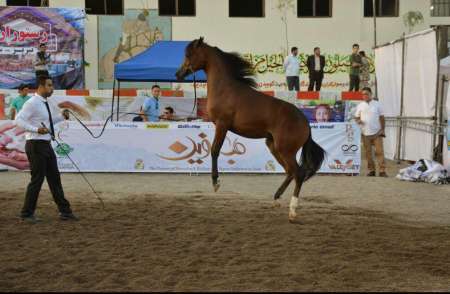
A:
(219, 137)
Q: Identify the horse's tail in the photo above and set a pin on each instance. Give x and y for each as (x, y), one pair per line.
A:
(312, 157)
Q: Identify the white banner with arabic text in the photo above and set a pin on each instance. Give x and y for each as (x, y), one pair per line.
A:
(180, 147)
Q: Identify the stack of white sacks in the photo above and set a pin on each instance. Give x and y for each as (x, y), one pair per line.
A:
(424, 170)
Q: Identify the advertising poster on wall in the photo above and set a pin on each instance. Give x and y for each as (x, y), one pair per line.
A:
(24, 28)
(318, 111)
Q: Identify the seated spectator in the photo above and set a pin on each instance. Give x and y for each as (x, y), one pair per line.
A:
(150, 109)
(168, 114)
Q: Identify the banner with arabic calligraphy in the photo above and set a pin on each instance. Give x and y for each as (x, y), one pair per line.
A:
(273, 62)
(175, 147)
(270, 72)
(24, 28)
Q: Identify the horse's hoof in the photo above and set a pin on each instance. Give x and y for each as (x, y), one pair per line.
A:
(276, 204)
(216, 187)
(292, 216)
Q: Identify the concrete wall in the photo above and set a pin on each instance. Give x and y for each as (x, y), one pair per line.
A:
(266, 35)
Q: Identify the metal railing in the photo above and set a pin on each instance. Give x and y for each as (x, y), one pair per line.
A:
(427, 125)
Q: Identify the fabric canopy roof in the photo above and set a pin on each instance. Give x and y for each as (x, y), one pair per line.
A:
(158, 63)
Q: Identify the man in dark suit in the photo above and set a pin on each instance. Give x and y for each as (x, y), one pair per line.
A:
(315, 64)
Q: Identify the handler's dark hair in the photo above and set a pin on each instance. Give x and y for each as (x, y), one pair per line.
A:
(42, 79)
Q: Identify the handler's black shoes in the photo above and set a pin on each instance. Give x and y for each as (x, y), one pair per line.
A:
(371, 174)
(68, 216)
(31, 219)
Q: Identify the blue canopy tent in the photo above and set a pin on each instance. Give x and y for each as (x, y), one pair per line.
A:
(158, 63)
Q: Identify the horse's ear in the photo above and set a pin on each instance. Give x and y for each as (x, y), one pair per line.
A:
(199, 42)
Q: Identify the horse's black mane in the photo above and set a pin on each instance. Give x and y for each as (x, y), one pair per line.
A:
(240, 68)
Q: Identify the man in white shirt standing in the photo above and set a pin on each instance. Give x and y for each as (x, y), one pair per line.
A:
(370, 116)
(37, 118)
(292, 66)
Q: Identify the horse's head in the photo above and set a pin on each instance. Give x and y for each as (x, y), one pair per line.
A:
(194, 59)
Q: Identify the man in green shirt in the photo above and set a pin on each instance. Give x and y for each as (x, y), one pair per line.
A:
(355, 64)
(19, 101)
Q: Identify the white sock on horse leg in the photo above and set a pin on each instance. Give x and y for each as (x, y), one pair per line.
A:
(294, 204)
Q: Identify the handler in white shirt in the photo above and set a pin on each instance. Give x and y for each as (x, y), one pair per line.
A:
(370, 116)
(292, 66)
(36, 118)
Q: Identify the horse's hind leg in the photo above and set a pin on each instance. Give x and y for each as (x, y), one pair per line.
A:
(289, 177)
(219, 137)
(281, 190)
(299, 179)
(299, 176)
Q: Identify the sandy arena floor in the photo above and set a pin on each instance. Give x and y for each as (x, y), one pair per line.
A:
(172, 233)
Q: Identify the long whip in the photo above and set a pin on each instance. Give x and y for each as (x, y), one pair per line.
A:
(76, 166)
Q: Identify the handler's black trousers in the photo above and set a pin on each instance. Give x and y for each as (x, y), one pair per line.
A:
(43, 164)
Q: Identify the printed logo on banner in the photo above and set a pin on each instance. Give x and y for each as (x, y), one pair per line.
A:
(188, 126)
(156, 126)
(270, 166)
(321, 126)
(348, 165)
(349, 149)
(195, 152)
(65, 166)
(139, 164)
(350, 132)
(125, 125)
(326, 126)
(93, 124)
(63, 149)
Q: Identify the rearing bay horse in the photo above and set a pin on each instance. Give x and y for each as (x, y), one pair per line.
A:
(234, 105)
